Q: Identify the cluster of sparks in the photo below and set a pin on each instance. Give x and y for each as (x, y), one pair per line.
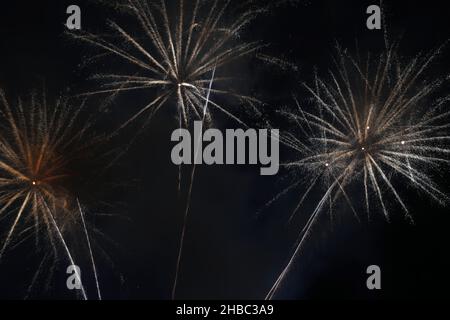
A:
(371, 121)
(38, 145)
(175, 50)
(374, 122)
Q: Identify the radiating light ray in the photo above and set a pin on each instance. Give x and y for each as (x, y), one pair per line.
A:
(373, 124)
(14, 225)
(91, 254)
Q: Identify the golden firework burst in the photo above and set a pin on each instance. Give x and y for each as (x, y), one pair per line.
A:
(40, 145)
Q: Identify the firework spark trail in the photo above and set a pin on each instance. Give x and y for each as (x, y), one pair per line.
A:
(13, 228)
(303, 236)
(374, 122)
(66, 248)
(35, 277)
(189, 196)
(179, 49)
(91, 255)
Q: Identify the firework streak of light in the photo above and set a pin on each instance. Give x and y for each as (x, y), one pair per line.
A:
(188, 203)
(39, 143)
(180, 43)
(374, 122)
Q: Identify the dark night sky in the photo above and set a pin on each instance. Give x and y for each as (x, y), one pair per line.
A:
(229, 252)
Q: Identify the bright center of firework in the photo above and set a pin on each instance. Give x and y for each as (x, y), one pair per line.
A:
(33, 183)
(327, 164)
(403, 142)
(363, 148)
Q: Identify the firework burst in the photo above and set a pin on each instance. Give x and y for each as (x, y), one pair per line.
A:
(176, 55)
(375, 125)
(174, 52)
(39, 148)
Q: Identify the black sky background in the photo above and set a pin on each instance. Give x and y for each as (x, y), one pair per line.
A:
(229, 252)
